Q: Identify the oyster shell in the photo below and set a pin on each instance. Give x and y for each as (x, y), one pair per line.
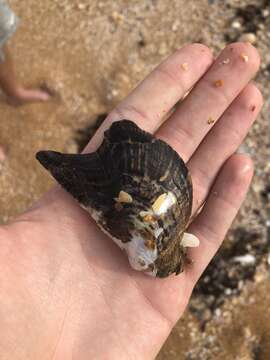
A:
(139, 192)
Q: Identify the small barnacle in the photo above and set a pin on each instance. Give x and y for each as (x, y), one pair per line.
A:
(184, 66)
(210, 121)
(163, 203)
(124, 197)
(219, 83)
(244, 57)
(190, 240)
(151, 229)
(158, 203)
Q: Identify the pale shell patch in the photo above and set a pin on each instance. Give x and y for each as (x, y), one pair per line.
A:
(124, 197)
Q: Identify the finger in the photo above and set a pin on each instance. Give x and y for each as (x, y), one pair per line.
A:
(160, 91)
(222, 141)
(223, 203)
(229, 74)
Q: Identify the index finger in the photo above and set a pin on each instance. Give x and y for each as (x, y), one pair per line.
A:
(148, 104)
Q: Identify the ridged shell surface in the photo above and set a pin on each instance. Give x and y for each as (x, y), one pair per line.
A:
(137, 189)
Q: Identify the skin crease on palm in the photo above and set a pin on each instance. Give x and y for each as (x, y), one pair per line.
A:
(67, 291)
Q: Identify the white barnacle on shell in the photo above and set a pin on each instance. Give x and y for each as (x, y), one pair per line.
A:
(163, 203)
(124, 197)
(190, 240)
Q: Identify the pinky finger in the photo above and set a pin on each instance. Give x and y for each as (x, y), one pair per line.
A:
(221, 207)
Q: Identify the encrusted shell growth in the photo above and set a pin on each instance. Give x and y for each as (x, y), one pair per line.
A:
(138, 190)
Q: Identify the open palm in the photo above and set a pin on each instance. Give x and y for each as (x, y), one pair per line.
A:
(68, 290)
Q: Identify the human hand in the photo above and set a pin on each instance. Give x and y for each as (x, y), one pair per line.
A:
(67, 291)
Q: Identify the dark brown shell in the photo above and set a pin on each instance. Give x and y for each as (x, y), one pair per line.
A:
(130, 160)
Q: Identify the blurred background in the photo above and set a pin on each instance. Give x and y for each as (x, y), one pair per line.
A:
(91, 54)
